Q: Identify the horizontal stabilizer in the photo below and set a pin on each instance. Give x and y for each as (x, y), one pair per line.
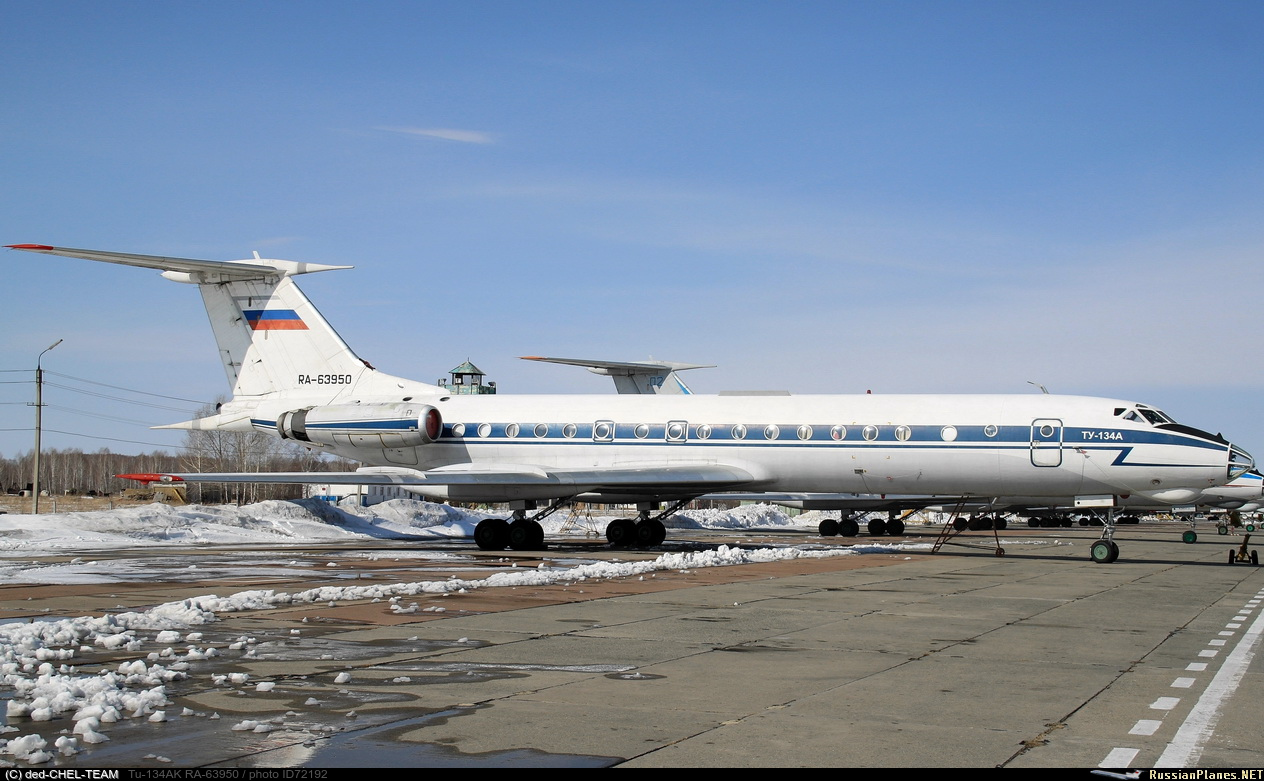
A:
(259, 268)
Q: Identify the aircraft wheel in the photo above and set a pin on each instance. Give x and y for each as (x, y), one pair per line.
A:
(1103, 552)
(491, 534)
(1000, 523)
(895, 528)
(877, 527)
(650, 532)
(1189, 537)
(537, 536)
(1033, 522)
(621, 531)
(828, 527)
(848, 527)
(1065, 521)
(1222, 530)
(526, 535)
(960, 524)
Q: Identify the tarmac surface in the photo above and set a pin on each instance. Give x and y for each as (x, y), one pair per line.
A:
(1039, 658)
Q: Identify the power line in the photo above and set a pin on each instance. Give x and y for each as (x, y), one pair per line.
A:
(115, 398)
(129, 390)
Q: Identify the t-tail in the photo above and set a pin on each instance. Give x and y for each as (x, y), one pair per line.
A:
(275, 347)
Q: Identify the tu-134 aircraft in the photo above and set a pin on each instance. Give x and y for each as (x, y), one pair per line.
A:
(293, 376)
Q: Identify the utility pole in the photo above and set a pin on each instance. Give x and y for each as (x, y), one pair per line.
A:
(39, 406)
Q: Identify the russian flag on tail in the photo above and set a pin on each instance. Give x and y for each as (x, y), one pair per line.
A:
(274, 320)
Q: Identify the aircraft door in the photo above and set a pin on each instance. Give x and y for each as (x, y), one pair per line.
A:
(1046, 442)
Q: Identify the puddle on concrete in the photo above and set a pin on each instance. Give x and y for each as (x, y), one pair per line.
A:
(381, 746)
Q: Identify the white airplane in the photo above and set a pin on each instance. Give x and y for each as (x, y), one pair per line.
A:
(294, 377)
(643, 377)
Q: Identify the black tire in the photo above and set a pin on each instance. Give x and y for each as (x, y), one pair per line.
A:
(621, 531)
(522, 535)
(960, 524)
(1000, 523)
(877, 527)
(1033, 522)
(1189, 537)
(848, 527)
(491, 534)
(895, 527)
(828, 527)
(650, 533)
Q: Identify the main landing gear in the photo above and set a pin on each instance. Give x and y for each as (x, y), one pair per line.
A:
(525, 533)
(646, 531)
(522, 533)
(848, 527)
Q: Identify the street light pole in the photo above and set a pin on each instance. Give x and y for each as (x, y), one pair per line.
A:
(39, 406)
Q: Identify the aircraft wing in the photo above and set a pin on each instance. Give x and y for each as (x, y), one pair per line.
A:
(629, 479)
(852, 502)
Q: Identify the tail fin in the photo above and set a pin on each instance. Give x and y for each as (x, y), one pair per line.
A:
(270, 337)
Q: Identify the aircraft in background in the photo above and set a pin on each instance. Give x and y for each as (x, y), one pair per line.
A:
(292, 376)
(1244, 494)
(643, 377)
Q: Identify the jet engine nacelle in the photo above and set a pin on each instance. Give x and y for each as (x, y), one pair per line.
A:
(363, 425)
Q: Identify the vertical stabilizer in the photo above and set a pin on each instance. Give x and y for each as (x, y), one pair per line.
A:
(271, 338)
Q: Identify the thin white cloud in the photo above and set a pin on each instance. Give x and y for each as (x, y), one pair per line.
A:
(445, 133)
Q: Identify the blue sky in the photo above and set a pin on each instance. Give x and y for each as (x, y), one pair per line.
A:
(820, 197)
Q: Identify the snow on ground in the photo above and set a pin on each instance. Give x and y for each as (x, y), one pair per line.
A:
(37, 659)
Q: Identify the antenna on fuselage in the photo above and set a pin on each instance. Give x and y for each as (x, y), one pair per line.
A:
(1042, 388)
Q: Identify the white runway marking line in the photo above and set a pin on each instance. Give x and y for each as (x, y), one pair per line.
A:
(1120, 757)
(1186, 748)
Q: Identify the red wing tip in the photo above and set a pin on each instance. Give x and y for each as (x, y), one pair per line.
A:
(29, 246)
(530, 357)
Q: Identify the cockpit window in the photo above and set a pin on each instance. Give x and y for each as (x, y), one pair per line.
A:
(1155, 417)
